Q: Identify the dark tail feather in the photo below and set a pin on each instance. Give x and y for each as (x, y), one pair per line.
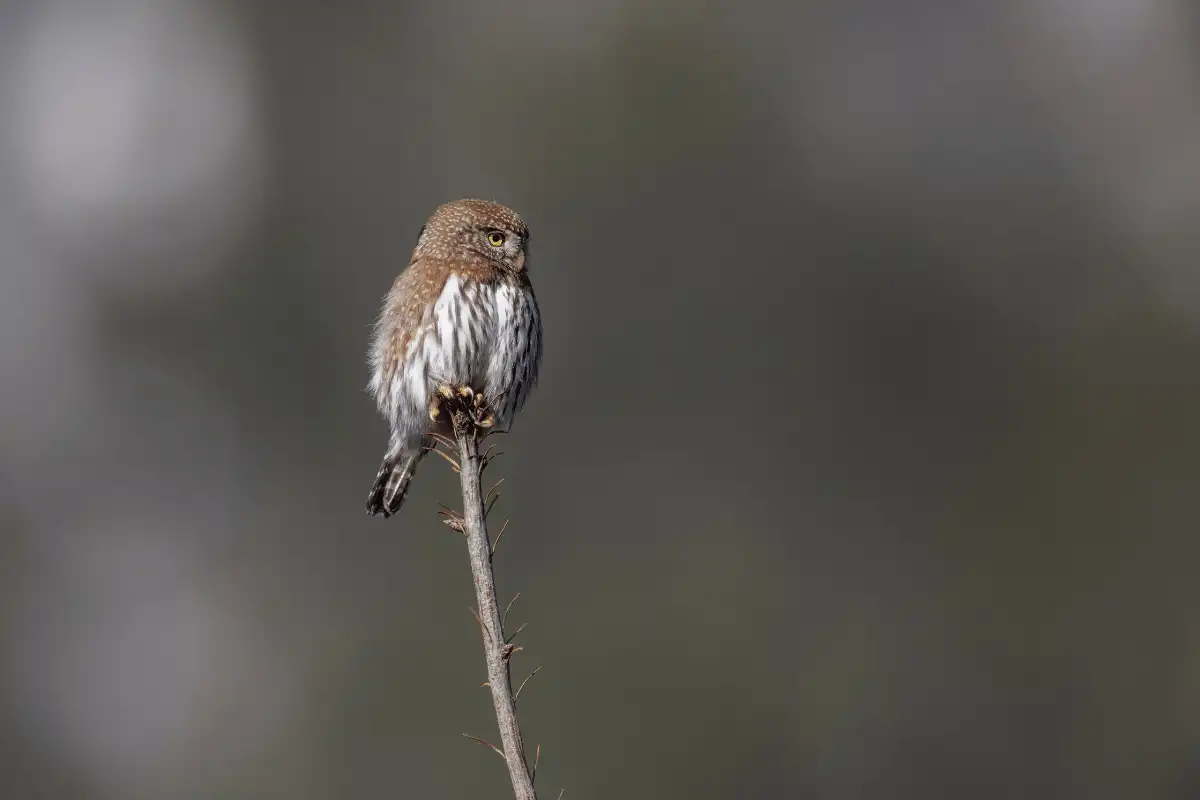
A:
(392, 482)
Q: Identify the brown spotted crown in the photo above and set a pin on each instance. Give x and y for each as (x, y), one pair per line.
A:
(475, 231)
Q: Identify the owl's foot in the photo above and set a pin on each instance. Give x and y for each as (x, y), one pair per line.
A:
(455, 403)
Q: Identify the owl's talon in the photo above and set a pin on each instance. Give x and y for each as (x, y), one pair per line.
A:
(448, 400)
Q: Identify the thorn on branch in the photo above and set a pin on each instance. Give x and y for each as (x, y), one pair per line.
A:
(479, 619)
(504, 616)
(517, 696)
(487, 456)
(517, 632)
(496, 543)
(449, 460)
(537, 756)
(491, 497)
(499, 752)
(508, 649)
(445, 440)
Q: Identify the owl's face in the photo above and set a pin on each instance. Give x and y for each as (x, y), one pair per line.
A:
(476, 230)
(502, 245)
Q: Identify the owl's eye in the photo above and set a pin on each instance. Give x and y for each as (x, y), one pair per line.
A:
(496, 239)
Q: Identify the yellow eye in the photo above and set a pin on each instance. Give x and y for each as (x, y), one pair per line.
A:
(496, 239)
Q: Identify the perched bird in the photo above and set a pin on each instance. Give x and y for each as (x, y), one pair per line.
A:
(462, 314)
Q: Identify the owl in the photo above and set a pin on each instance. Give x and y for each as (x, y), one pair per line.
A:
(462, 313)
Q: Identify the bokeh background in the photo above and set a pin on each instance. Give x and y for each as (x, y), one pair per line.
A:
(864, 463)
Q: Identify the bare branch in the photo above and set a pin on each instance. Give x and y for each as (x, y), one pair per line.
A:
(496, 648)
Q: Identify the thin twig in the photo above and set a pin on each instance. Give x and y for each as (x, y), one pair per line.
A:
(517, 632)
(491, 497)
(485, 741)
(499, 535)
(507, 608)
(446, 440)
(450, 460)
(482, 627)
(536, 670)
(537, 756)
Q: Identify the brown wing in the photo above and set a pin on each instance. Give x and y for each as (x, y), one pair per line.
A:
(405, 307)
(410, 301)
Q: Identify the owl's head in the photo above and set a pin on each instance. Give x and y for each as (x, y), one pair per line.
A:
(475, 230)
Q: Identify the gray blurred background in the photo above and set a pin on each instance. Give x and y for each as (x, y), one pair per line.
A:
(864, 460)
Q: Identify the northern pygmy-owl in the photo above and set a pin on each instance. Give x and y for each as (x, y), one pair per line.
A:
(462, 314)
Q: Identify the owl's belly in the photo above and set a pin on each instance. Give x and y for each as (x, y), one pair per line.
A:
(480, 335)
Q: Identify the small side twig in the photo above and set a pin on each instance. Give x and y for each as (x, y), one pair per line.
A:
(536, 670)
(485, 742)
(507, 608)
(499, 535)
(517, 632)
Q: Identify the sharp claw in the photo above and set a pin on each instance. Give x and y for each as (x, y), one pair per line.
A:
(446, 392)
(466, 391)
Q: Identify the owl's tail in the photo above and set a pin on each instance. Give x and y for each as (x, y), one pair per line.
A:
(392, 482)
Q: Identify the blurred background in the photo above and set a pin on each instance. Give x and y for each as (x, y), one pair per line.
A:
(863, 465)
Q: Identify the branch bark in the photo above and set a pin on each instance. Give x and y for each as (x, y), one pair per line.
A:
(497, 650)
